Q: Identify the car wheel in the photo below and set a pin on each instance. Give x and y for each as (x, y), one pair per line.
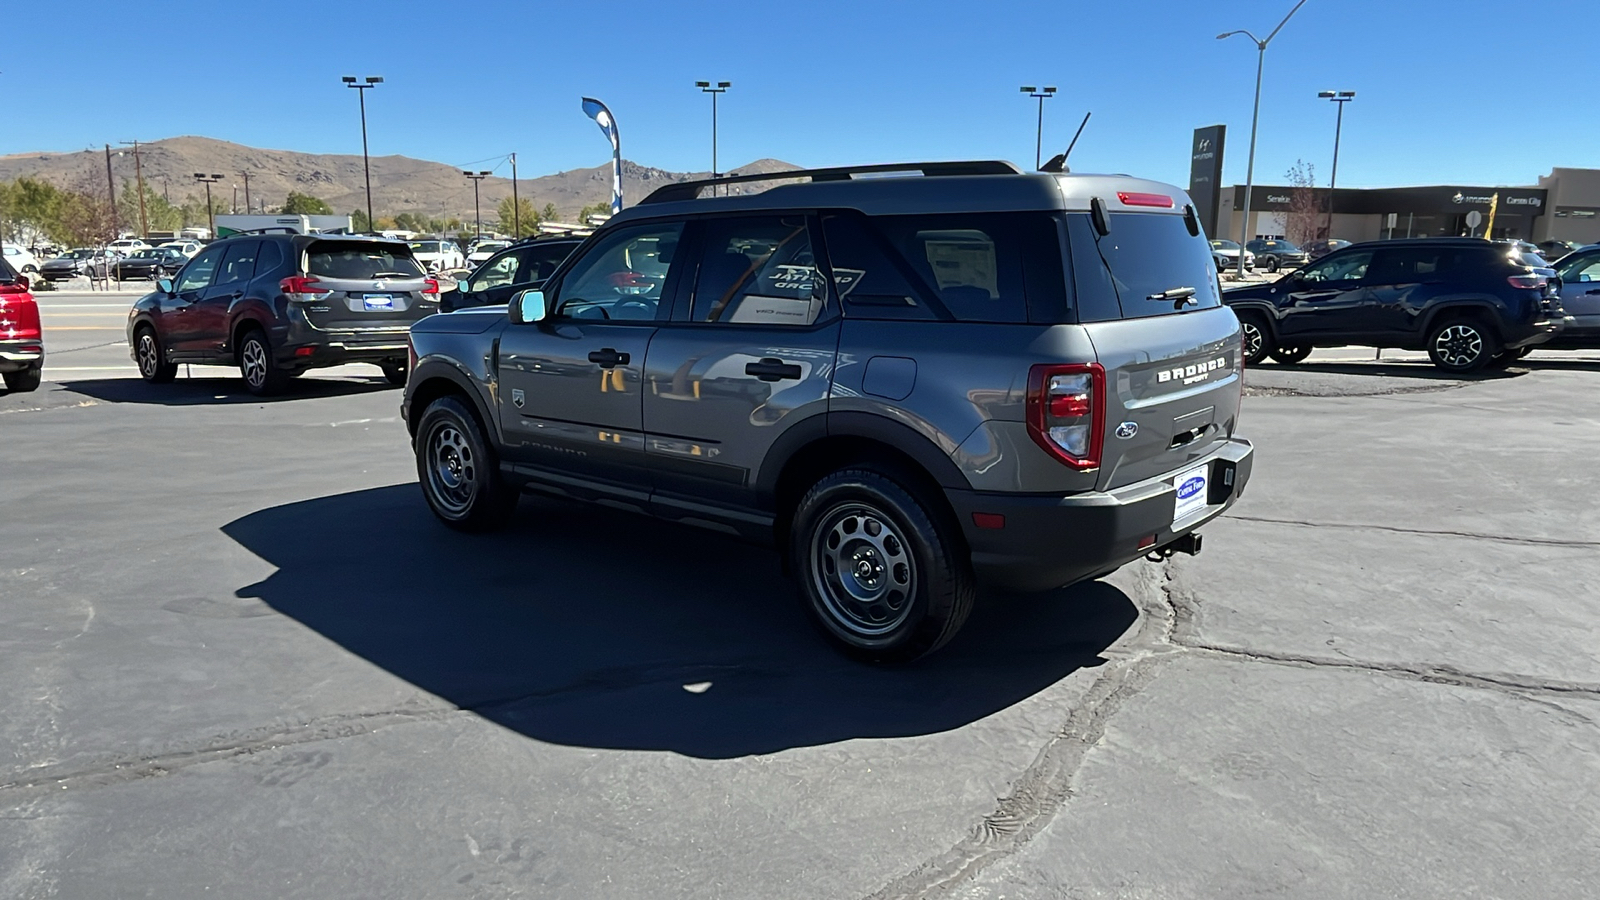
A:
(1272, 264)
(459, 475)
(152, 357)
(1288, 356)
(261, 372)
(884, 574)
(25, 380)
(395, 372)
(30, 270)
(1460, 346)
(1256, 343)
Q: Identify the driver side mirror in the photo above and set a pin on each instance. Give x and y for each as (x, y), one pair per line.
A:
(526, 306)
(164, 285)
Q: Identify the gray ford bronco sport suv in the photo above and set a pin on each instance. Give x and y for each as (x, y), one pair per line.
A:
(908, 384)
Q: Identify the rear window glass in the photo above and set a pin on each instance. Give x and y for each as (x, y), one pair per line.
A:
(361, 261)
(1124, 274)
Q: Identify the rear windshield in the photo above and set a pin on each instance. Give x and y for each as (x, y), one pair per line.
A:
(1142, 267)
(361, 261)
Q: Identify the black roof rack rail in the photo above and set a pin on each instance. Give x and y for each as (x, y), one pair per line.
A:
(690, 190)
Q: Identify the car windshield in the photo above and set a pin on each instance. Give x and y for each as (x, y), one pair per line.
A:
(425, 246)
(1224, 245)
(80, 254)
(491, 246)
(1283, 246)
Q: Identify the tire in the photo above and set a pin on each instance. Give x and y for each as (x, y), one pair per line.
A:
(262, 374)
(1461, 346)
(1272, 264)
(459, 474)
(394, 373)
(1257, 338)
(152, 357)
(884, 573)
(1288, 356)
(24, 381)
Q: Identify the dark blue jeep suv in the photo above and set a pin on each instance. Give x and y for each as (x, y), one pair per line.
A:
(1469, 302)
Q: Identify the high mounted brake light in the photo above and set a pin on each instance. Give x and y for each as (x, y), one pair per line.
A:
(1135, 198)
(1066, 411)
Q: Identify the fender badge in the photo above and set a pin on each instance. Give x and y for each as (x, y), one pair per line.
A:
(516, 397)
(1127, 430)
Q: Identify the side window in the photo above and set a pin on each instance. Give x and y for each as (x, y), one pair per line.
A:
(270, 259)
(1338, 267)
(758, 270)
(973, 262)
(197, 274)
(239, 265)
(539, 263)
(1410, 264)
(1581, 269)
(623, 276)
(497, 273)
(868, 282)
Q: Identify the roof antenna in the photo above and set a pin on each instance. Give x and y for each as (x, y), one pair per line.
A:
(1058, 163)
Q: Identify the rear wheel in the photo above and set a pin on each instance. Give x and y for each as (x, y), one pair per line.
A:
(1272, 264)
(1288, 356)
(459, 475)
(261, 372)
(1460, 346)
(25, 380)
(1256, 342)
(884, 575)
(395, 372)
(152, 357)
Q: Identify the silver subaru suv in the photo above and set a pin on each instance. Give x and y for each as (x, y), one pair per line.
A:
(909, 385)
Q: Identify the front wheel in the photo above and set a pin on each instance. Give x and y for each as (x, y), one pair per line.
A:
(152, 357)
(1272, 264)
(21, 382)
(459, 475)
(1256, 342)
(1460, 346)
(885, 576)
(1288, 356)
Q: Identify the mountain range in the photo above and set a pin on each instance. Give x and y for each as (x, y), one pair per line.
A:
(399, 183)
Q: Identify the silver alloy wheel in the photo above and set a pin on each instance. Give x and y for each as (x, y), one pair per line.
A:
(1253, 338)
(452, 469)
(863, 569)
(1458, 346)
(253, 360)
(149, 355)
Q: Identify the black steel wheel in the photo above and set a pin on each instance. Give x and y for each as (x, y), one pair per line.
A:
(1461, 346)
(884, 573)
(459, 474)
(151, 357)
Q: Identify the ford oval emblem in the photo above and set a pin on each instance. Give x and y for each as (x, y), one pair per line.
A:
(1191, 487)
(1127, 430)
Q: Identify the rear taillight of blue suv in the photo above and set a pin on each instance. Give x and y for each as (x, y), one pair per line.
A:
(1066, 411)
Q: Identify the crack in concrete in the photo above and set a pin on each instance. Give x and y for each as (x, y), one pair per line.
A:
(18, 786)
(1473, 535)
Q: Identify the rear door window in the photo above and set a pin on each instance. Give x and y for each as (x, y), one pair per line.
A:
(869, 281)
(1140, 267)
(758, 270)
(239, 264)
(1410, 265)
(354, 261)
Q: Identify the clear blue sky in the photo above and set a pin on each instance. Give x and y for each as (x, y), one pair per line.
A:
(1463, 91)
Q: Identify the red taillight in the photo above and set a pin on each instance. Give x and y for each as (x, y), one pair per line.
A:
(1135, 198)
(430, 285)
(302, 284)
(1066, 411)
(14, 287)
(1531, 280)
(19, 317)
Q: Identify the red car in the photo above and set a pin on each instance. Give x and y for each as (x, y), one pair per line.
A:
(21, 341)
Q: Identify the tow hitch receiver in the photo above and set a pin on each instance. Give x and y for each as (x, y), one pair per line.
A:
(1189, 543)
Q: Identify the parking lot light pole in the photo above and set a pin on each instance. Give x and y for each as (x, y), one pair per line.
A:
(1038, 141)
(476, 214)
(1255, 120)
(208, 181)
(707, 87)
(1341, 98)
(366, 166)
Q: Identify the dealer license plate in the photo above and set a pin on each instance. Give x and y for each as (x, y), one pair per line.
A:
(1193, 489)
(378, 301)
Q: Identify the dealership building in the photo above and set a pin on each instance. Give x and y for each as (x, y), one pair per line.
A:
(1564, 205)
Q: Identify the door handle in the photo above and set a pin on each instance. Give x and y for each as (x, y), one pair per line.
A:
(1592, 291)
(771, 369)
(607, 358)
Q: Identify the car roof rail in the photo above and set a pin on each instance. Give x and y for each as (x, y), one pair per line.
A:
(690, 190)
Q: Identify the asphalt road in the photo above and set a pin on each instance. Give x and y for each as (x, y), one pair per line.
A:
(242, 661)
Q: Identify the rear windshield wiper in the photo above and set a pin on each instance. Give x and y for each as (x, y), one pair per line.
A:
(1180, 296)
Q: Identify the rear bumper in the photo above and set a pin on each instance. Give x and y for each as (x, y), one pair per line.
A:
(16, 356)
(336, 349)
(1535, 333)
(1050, 541)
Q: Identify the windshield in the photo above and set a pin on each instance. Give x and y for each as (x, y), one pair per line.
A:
(491, 246)
(80, 254)
(425, 246)
(1283, 246)
(1224, 245)
(359, 261)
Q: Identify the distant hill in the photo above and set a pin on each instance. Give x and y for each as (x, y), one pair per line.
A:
(399, 183)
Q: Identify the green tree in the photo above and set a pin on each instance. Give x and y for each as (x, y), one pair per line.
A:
(30, 207)
(549, 214)
(158, 213)
(519, 220)
(298, 204)
(359, 220)
(410, 221)
(597, 209)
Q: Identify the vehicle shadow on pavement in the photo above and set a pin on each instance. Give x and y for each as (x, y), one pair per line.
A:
(1421, 370)
(586, 627)
(214, 391)
(1559, 365)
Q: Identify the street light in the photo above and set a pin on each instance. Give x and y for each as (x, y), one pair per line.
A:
(720, 87)
(361, 91)
(1043, 94)
(1255, 119)
(476, 178)
(1341, 98)
(208, 181)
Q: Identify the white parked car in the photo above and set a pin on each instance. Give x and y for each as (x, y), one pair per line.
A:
(485, 249)
(187, 248)
(127, 246)
(438, 256)
(21, 260)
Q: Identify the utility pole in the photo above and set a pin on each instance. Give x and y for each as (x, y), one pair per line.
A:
(246, 191)
(111, 194)
(1038, 142)
(138, 174)
(516, 205)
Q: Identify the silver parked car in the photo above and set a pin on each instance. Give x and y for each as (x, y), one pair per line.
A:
(1226, 255)
(908, 385)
